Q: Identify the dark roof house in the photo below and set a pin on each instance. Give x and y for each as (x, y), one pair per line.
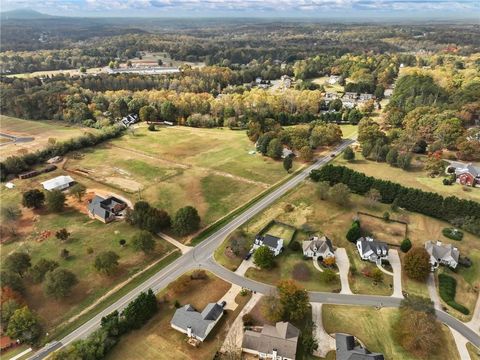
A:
(105, 210)
(274, 243)
(346, 349)
(279, 341)
(195, 324)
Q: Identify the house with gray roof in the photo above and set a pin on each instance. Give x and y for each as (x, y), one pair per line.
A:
(442, 254)
(347, 349)
(105, 210)
(318, 248)
(273, 342)
(372, 250)
(275, 244)
(196, 324)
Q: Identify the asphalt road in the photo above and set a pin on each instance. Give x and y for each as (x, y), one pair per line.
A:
(201, 257)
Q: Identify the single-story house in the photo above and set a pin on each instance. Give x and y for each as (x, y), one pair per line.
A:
(275, 244)
(320, 248)
(442, 254)
(468, 175)
(347, 349)
(195, 324)
(372, 250)
(59, 183)
(350, 96)
(333, 79)
(129, 120)
(365, 97)
(105, 210)
(286, 152)
(277, 342)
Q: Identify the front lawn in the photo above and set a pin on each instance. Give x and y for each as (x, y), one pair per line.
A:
(283, 269)
(452, 295)
(157, 340)
(360, 282)
(374, 329)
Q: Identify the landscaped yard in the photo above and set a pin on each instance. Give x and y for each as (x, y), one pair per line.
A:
(374, 329)
(416, 177)
(283, 269)
(157, 340)
(41, 131)
(302, 208)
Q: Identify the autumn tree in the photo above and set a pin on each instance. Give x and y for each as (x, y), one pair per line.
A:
(294, 300)
(417, 264)
(340, 194)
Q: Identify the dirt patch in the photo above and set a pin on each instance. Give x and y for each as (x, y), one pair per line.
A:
(125, 184)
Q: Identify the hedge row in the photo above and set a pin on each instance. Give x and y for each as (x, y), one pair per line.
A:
(453, 234)
(427, 203)
(15, 165)
(448, 288)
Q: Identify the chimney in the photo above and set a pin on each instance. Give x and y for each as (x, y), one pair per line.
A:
(274, 354)
(189, 331)
(439, 243)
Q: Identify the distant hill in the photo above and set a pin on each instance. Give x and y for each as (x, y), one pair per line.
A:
(24, 14)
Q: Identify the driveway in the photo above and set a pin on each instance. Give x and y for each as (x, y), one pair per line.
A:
(394, 260)
(432, 291)
(343, 268)
(230, 296)
(474, 324)
(244, 266)
(233, 340)
(461, 343)
(326, 343)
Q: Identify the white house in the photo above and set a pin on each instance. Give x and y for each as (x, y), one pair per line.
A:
(275, 244)
(372, 250)
(333, 79)
(318, 248)
(442, 254)
(195, 324)
(59, 183)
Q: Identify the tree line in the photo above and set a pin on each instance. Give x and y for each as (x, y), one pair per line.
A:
(465, 213)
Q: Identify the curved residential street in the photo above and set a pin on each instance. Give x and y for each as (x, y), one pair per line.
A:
(202, 257)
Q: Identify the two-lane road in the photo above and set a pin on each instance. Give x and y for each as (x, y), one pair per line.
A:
(201, 257)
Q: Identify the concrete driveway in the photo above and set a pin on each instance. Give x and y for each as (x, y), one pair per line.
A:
(343, 268)
(432, 291)
(244, 266)
(326, 343)
(394, 260)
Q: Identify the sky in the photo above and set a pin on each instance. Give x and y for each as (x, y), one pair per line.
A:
(406, 9)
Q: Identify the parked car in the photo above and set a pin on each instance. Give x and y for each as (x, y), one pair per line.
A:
(248, 256)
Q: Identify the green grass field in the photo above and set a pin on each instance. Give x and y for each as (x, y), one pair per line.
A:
(374, 329)
(210, 169)
(40, 130)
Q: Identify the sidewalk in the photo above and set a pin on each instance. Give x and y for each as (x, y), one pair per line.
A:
(183, 248)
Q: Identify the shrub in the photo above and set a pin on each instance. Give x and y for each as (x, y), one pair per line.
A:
(295, 245)
(301, 272)
(447, 288)
(348, 154)
(248, 319)
(354, 233)
(453, 234)
(406, 245)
